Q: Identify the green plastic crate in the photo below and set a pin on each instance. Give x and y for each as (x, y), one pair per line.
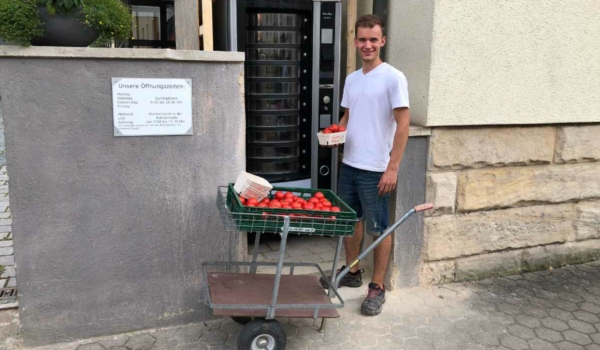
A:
(253, 219)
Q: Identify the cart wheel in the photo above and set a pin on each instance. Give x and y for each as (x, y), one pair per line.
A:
(241, 320)
(262, 335)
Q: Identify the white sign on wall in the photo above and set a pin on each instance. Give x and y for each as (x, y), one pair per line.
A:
(152, 107)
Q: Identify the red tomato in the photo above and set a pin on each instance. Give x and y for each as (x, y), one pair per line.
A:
(262, 205)
(335, 209)
(286, 206)
(319, 195)
(326, 204)
(296, 205)
(250, 204)
(313, 200)
(334, 128)
(289, 195)
(327, 131)
(274, 204)
(279, 195)
(265, 200)
(342, 129)
(318, 205)
(275, 201)
(243, 200)
(252, 201)
(308, 206)
(284, 201)
(325, 208)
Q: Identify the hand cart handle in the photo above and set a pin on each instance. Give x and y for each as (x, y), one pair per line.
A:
(418, 208)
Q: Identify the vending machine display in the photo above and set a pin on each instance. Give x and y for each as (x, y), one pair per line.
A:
(292, 52)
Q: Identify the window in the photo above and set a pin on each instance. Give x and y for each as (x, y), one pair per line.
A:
(153, 23)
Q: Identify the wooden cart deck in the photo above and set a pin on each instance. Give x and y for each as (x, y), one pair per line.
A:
(257, 289)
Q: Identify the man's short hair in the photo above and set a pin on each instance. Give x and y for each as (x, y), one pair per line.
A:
(369, 21)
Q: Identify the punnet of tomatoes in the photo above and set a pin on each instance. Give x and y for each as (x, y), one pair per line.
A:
(318, 205)
(333, 128)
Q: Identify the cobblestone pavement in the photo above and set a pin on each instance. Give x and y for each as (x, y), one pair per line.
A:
(548, 310)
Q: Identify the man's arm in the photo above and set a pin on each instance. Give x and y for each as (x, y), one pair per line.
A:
(344, 121)
(390, 176)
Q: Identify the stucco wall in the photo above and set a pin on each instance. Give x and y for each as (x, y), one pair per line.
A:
(486, 62)
(110, 233)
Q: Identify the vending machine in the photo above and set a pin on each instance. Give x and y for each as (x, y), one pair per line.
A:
(292, 82)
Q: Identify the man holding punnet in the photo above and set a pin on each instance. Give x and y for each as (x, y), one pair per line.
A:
(377, 121)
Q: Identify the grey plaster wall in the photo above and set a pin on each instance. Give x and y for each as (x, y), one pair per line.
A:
(110, 233)
(408, 238)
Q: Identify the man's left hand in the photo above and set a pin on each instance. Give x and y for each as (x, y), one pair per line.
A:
(388, 181)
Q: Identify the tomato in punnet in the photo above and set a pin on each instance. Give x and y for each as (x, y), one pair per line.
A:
(296, 205)
(326, 204)
(334, 128)
(262, 205)
(284, 201)
(313, 200)
(275, 204)
(289, 195)
(327, 131)
(243, 200)
(335, 209)
(318, 205)
(252, 201)
(308, 206)
(342, 129)
(319, 195)
(279, 195)
(265, 200)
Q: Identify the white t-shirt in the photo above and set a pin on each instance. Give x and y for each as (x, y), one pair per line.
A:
(371, 99)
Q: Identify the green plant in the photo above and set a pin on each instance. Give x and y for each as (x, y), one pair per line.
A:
(19, 21)
(111, 18)
(60, 6)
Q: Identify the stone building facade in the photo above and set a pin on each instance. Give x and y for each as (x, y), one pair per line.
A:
(511, 199)
(509, 91)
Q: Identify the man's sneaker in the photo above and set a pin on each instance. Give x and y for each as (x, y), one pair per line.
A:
(374, 301)
(350, 280)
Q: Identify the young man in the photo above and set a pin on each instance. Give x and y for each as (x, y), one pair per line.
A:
(377, 120)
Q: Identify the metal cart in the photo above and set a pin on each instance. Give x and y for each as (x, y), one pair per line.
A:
(255, 300)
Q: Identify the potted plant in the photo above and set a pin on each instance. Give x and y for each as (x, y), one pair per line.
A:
(19, 22)
(65, 22)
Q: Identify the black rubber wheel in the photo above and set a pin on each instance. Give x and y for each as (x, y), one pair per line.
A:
(242, 320)
(262, 334)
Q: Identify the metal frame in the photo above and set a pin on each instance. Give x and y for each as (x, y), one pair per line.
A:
(336, 91)
(273, 306)
(314, 147)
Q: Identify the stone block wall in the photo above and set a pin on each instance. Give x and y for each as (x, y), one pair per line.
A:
(510, 199)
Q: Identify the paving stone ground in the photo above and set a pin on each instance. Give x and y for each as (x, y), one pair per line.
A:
(548, 310)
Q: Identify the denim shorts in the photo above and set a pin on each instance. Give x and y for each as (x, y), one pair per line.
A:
(358, 188)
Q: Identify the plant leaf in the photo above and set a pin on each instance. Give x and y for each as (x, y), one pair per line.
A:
(68, 4)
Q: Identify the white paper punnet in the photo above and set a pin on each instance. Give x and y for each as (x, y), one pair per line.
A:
(335, 138)
(252, 186)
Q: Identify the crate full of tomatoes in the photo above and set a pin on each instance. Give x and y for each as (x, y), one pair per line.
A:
(311, 211)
